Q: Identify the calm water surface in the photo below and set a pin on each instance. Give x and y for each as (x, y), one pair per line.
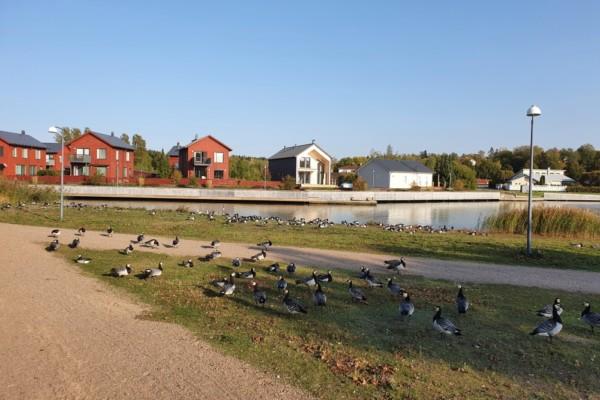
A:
(460, 215)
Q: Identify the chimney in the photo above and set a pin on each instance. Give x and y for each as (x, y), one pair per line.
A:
(196, 136)
(22, 132)
(313, 141)
(178, 144)
(112, 133)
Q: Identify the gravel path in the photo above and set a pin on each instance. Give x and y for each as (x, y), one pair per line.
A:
(65, 336)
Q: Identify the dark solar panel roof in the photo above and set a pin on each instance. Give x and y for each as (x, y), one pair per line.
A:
(21, 139)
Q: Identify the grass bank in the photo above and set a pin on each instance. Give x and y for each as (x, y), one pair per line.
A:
(353, 351)
(549, 221)
(16, 192)
(493, 248)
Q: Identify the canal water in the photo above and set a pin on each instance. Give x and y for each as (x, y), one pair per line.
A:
(467, 215)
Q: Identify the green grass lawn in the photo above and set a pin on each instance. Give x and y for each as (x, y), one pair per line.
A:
(498, 248)
(348, 350)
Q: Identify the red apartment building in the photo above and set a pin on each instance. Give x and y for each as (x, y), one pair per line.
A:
(95, 153)
(21, 154)
(204, 158)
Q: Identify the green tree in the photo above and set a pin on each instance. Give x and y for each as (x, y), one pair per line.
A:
(143, 162)
(69, 134)
(587, 156)
(125, 138)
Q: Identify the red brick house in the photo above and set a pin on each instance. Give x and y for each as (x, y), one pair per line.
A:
(205, 158)
(95, 153)
(21, 154)
(53, 155)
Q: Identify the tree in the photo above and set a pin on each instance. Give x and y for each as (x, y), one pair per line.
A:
(160, 163)
(575, 170)
(389, 152)
(587, 156)
(125, 138)
(69, 134)
(143, 162)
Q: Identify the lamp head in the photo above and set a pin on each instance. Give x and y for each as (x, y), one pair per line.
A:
(534, 111)
(54, 129)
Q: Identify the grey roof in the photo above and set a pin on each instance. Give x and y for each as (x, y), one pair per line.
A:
(114, 141)
(552, 177)
(174, 152)
(52, 147)
(399, 165)
(294, 151)
(21, 139)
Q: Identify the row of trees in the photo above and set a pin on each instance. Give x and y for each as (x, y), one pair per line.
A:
(497, 165)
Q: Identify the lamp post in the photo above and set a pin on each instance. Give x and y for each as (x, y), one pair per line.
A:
(533, 111)
(56, 130)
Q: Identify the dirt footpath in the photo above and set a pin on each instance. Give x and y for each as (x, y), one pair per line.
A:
(67, 336)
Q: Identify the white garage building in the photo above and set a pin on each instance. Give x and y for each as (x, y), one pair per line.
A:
(395, 174)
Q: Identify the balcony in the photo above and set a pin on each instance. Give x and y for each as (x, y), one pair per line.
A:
(80, 159)
(199, 160)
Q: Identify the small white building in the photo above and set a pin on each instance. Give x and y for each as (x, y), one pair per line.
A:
(551, 180)
(307, 163)
(395, 174)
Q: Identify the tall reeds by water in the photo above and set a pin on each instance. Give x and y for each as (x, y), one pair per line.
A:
(20, 192)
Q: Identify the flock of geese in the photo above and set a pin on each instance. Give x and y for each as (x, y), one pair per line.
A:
(549, 328)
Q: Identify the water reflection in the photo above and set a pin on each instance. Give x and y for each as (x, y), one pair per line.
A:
(460, 215)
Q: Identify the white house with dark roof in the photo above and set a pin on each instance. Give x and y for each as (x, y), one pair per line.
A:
(307, 163)
(395, 174)
(552, 180)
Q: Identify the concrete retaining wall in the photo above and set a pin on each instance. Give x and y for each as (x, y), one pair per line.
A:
(272, 196)
(571, 197)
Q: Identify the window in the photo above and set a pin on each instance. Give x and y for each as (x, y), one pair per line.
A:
(124, 172)
(127, 156)
(101, 154)
(101, 170)
(14, 152)
(82, 152)
(219, 172)
(19, 170)
(25, 153)
(304, 177)
(219, 158)
(305, 162)
(1, 151)
(117, 155)
(38, 154)
(32, 170)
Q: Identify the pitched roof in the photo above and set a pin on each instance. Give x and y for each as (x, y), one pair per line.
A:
(21, 139)
(112, 140)
(294, 151)
(52, 147)
(207, 137)
(399, 165)
(174, 152)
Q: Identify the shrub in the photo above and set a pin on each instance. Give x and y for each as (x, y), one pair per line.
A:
(288, 183)
(94, 180)
(176, 176)
(552, 221)
(359, 184)
(20, 192)
(583, 189)
(459, 184)
(193, 181)
(47, 172)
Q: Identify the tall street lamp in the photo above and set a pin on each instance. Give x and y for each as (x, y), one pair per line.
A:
(55, 130)
(533, 111)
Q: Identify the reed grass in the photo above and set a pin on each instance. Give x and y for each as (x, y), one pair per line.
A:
(549, 221)
(20, 192)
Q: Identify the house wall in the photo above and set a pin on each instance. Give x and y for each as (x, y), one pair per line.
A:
(406, 180)
(280, 168)
(93, 143)
(28, 162)
(56, 158)
(312, 169)
(375, 176)
(209, 146)
(174, 162)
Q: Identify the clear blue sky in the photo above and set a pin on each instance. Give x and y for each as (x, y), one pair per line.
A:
(443, 76)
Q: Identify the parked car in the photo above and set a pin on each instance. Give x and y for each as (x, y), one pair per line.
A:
(346, 186)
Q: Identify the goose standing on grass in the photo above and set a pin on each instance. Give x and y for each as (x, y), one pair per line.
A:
(246, 275)
(273, 268)
(229, 287)
(394, 288)
(444, 325)
(589, 317)
(309, 280)
(236, 262)
(55, 233)
(462, 303)
(140, 238)
(260, 297)
(175, 242)
(188, 263)
(215, 244)
(120, 272)
(292, 306)
(81, 231)
(83, 260)
(356, 294)
(281, 284)
(109, 231)
(372, 281)
(326, 278)
(75, 243)
(550, 327)
(259, 257)
(319, 297)
(128, 250)
(53, 246)
(154, 272)
(291, 268)
(407, 308)
(547, 310)
(396, 265)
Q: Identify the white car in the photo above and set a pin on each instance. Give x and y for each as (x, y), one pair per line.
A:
(346, 186)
